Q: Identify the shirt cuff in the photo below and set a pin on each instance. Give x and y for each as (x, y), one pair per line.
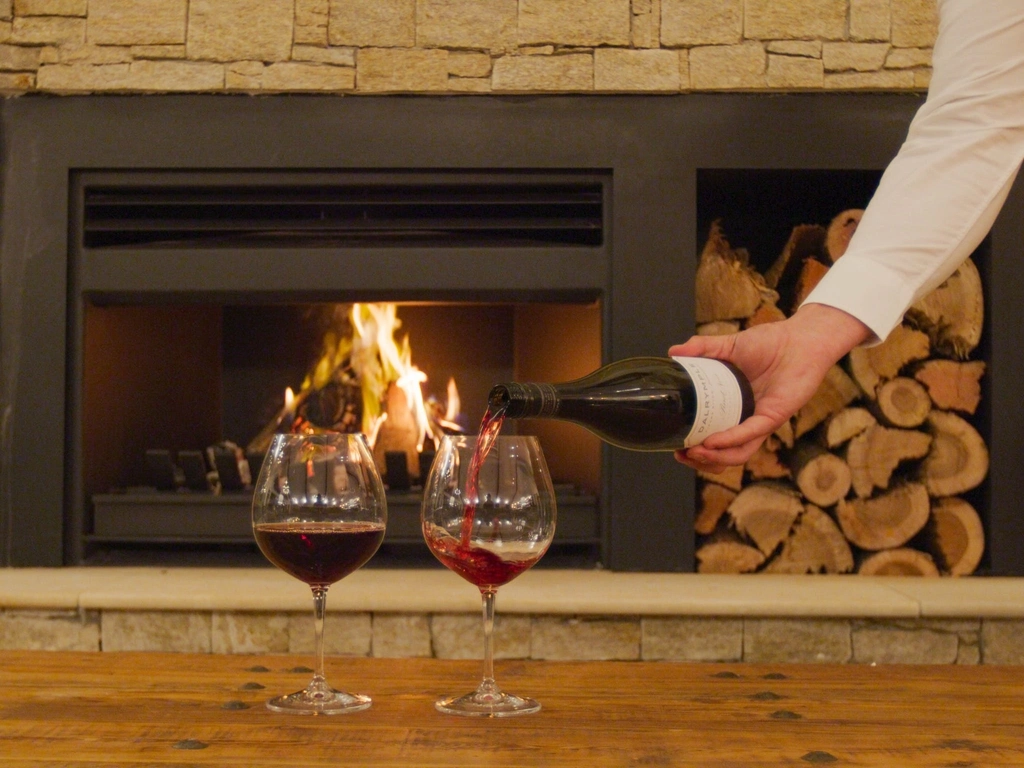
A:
(867, 291)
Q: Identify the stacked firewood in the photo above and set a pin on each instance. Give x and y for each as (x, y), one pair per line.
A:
(869, 476)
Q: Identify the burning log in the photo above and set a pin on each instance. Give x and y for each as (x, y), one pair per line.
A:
(365, 381)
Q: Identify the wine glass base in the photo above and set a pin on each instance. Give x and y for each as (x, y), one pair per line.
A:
(320, 701)
(487, 704)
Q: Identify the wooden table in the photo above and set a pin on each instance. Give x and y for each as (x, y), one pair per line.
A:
(128, 709)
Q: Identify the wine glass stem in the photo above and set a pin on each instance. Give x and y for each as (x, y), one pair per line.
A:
(319, 607)
(488, 596)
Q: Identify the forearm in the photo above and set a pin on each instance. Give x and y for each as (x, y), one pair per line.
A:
(942, 192)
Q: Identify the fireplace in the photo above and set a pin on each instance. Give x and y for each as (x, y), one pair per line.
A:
(639, 157)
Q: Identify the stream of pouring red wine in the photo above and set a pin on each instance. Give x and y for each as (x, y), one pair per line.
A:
(490, 427)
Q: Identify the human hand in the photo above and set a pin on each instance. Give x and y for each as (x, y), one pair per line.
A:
(785, 361)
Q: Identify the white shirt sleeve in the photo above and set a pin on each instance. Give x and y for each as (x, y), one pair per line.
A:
(942, 192)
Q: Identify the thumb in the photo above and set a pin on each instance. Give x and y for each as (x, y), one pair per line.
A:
(718, 347)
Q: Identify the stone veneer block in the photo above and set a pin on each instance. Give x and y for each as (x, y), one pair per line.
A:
(311, 17)
(795, 641)
(859, 57)
(1002, 641)
(74, 78)
(183, 76)
(16, 58)
(914, 23)
(17, 82)
(870, 20)
(469, 84)
(345, 634)
(6, 9)
(728, 67)
(249, 632)
(568, 73)
(94, 54)
(901, 643)
(908, 58)
(233, 30)
(48, 30)
(795, 72)
(372, 23)
(617, 69)
(808, 48)
(244, 76)
(155, 22)
(890, 79)
(691, 639)
(299, 76)
(57, 631)
(461, 636)
(799, 19)
(392, 70)
(701, 22)
(398, 635)
(182, 631)
(468, 64)
(645, 30)
(574, 22)
(155, 52)
(466, 24)
(339, 57)
(585, 639)
(51, 7)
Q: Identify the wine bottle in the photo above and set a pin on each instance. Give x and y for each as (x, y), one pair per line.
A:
(639, 403)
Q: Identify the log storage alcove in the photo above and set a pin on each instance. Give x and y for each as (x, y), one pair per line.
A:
(871, 475)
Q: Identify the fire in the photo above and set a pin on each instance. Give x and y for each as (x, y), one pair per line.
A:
(361, 364)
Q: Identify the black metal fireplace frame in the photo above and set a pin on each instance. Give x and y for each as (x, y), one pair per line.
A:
(652, 146)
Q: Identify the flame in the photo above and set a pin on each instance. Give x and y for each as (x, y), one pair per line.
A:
(380, 361)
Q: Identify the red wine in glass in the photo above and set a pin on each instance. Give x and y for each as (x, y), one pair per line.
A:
(490, 428)
(483, 567)
(319, 553)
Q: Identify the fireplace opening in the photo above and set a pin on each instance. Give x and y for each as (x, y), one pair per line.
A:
(166, 386)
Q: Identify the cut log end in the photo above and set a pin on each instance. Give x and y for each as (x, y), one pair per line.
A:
(958, 460)
(728, 557)
(815, 546)
(840, 231)
(886, 521)
(955, 536)
(902, 561)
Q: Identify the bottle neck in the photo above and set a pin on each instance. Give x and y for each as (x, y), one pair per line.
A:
(525, 400)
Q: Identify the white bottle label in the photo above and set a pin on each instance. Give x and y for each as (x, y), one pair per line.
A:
(719, 398)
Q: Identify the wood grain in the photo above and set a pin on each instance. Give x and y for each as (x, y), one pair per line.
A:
(124, 709)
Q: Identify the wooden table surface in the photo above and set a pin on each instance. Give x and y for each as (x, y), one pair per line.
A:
(129, 709)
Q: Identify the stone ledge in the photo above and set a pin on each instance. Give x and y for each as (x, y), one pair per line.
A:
(539, 592)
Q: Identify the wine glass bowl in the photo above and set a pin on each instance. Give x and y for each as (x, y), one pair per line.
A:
(319, 513)
(488, 515)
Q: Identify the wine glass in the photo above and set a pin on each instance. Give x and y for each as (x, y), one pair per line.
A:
(488, 516)
(318, 514)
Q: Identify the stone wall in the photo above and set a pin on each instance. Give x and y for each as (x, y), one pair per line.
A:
(590, 638)
(463, 46)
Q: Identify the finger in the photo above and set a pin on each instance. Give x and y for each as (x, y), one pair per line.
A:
(700, 466)
(704, 458)
(757, 427)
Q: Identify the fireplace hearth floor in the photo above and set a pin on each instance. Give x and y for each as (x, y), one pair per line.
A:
(541, 592)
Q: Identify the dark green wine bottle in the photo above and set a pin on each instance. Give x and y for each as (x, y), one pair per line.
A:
(639, 403)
